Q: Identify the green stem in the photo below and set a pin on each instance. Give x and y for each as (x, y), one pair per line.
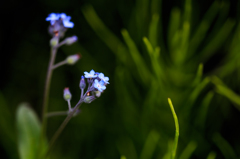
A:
(69, 105)
(59, 64)
(63, 125)
(56, 114)
(177, 130)
(46, 92)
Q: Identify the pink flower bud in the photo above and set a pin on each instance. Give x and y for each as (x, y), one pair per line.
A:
(73, 59)
(66, 94)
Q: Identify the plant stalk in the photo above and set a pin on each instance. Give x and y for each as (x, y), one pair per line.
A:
(48, 115)
(46, 91)
(173, 155)
(62, 126)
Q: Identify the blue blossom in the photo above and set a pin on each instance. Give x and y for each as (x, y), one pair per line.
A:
(66, 20)
(91, 74)
(104, 79)
(53, 17)
(99, 85)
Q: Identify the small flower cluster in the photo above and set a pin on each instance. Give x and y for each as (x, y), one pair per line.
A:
(99, 80)
(59, 23)
(96, 85)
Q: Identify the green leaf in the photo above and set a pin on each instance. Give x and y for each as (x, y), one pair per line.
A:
(222, 89)
(188, 151)
(224, 146)
(153, 30)
(28, 129)
(105, 33)
(143, 71)
(123, 157)
(203, 110)
(174, 150)
(7, 134)
(211, 155)
(150, 145)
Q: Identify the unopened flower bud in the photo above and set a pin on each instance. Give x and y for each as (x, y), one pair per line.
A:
(89, 99)
(82, 83)
(66, 94)
(73, 59)
(54, 41)
(97, 93)
(71, 40)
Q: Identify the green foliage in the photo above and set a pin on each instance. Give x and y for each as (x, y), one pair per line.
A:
(8, 138)
(150, 145)
(28, 128)
(177, 130)
(177, 72)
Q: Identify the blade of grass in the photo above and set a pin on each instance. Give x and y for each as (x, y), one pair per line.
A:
(126, 146)
(198, 77)
(154, 56)
(201, 118)
(168, 154)
(211, 155)
(123, 157)
(224, 146)
(141, 15)
(174, 150)
(104, 33)
(217, 40)
(187, 11)
(153, 30)
(195, 93)
(224, 7)
(203, 27)
(174, 25)
(185, 32)
(150, 145)
(182, 53)
(187, 152)
(137, 58)
(227, 92)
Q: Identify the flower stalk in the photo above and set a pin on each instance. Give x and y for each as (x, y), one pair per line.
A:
(46, 91)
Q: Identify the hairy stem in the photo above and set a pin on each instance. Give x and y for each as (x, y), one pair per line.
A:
(69, 105)
(67, 119)
(58, 113)
(59, 64)
(46, 91)
(62, 126)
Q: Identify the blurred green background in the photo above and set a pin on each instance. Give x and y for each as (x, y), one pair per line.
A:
(151, 50)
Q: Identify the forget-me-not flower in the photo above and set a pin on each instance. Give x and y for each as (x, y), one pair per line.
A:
(91, 74)
(99, 85)
(66, 20)
(53, 17)
(103, 78)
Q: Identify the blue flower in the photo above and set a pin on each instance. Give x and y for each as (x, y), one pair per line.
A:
(99, 85)
(53, 17)
(66, 20)
(104, 79)
(91, 74)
